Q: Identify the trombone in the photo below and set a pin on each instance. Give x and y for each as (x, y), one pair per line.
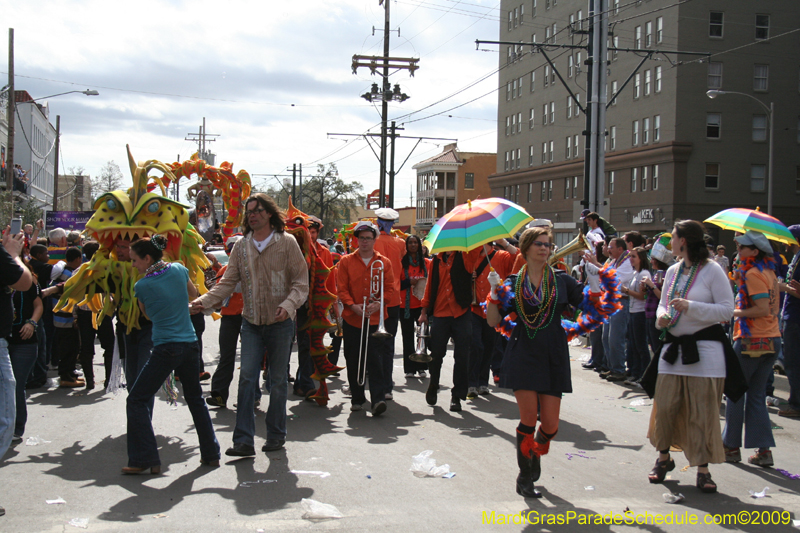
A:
(375, 293)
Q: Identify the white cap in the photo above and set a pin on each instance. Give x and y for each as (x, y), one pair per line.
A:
(365, 224)
(540, 223)
(387, 213)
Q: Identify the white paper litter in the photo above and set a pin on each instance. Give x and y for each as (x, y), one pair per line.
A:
(311, 473)
(754, 494)
(79, 522)
(641, 402)
(35, 441)
(671, 497)
(588, 487)
(315, 510)
(423, 465)
(248, 483)
(57, 501)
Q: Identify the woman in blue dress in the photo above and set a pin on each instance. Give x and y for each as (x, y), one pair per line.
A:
(164, 294)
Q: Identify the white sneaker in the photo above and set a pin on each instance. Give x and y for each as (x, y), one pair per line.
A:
(423, 374)
(346, 390)
(355, 407)
(483, 389)
(472, 393)
(388, 396)
(410, 375)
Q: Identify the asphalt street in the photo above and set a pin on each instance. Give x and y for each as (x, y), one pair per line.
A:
(597, 465)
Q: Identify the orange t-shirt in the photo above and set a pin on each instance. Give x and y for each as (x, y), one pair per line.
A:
(446, 305)
(354, 282)
(235, 303)
(761, 285)
(394, 248)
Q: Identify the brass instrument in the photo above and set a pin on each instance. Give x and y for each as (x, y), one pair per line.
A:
(420, 355)
(375, 293)
(577, 244)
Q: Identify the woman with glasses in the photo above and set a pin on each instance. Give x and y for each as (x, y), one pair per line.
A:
(536, 360)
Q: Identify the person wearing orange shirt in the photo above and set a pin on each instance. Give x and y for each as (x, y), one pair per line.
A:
(354, 284)
(415, 271)
(483, 335)
(394, 248)
(229, 327)
(448, 297)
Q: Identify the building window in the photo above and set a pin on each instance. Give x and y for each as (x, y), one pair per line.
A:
(656, 128)
(613, 137)
(530, 192)
(712, 176)
(544, 115)
(762, 27)
(647, 83)
(513, 124)
(521, 13)
(713, 125)
(577, 105)
(530, 157)
(519, 157)
(555, 31)
(519, 122)
(544, 153)
(614, 92)
(570, 65)
(616, 46)
(550, 150)
(544, 191)
(654, 186)
(469, 180)
(760, 77)
(757, 177)
(634, 178)
(511, 161)
(567, 183)
(533, 80)
(715, 24)
(635, 136)
(759, 127)
(533, 12)
(513, 89)
(508, 91)
(637, 37)
(516, 196)
(637, 85)
(611, 182)
(646, 130)
(616, 7)
(508, 126)
(644, 178)
(575, 145)
(569, 147)
(552, 112)
(648, 34)
(549, 190)
(547, 34)
(546, 75)
(575, 186)
(510, 20)
(569, 107)
(531, 119)
(714, 75)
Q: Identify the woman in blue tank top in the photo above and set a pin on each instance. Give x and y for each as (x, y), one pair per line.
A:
(164, 294)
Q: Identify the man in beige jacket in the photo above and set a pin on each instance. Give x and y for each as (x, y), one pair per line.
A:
(274, 283)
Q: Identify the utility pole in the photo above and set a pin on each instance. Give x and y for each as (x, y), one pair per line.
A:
(294, 182)
(201, 138)
(55, 170)
(177, 187)
(300, 199)
(391, 166)
(385, 93)
(12, 98)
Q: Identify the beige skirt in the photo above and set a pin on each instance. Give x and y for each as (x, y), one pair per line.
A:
(686, 414)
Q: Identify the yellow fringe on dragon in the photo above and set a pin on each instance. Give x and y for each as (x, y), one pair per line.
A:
(105, 283)
(320, 301)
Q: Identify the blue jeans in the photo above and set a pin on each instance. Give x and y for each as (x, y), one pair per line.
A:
(276, 340)
(182, 358)
(751, 409)
(138, 346)
(615, 332)
(8, 409)
(23, 357)
(305, 366)
(481, 350)
(637, 338)
(38, 375)
(791, 361)
(598, 359)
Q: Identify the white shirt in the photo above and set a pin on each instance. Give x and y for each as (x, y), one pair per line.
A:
(637, 305)
(710, 302)
(260, 245)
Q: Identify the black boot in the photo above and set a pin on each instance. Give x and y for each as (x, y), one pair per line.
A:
(529, 467)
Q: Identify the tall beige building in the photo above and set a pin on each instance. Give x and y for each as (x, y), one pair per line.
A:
(670, 151)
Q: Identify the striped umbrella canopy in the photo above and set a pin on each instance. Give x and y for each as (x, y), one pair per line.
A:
(476, 223)
(742, 220)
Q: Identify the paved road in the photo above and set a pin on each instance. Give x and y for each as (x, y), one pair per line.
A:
(597, 464)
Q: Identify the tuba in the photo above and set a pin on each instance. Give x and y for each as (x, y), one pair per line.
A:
(420, 355)
(577, 244)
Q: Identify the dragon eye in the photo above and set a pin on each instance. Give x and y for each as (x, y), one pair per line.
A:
(298, 221)
(153, 207)
(112, 204)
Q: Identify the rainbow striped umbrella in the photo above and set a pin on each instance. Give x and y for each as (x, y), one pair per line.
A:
(738, 219)
(476, 223)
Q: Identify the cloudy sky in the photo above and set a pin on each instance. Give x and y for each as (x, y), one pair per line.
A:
(272, 79)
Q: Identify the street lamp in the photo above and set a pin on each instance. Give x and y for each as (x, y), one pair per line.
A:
(87, 92)
(713, 93)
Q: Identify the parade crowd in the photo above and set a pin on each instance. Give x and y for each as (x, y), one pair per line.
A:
(676, 315)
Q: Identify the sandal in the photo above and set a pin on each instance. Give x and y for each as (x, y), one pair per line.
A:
(659, 472)
(705, 483)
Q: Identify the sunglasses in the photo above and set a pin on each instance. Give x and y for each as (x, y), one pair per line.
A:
(541, 244)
